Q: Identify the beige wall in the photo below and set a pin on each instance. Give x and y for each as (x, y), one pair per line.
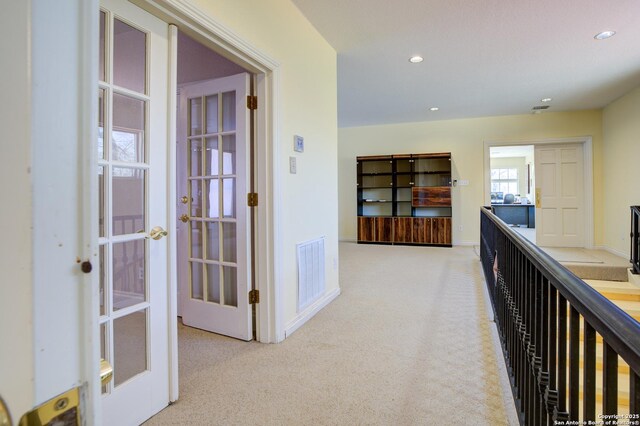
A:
(307, 103)
(464, 139)
(621, 153)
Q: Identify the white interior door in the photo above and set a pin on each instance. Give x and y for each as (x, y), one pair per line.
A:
(213, 237)
(559, 195)
(132, 158)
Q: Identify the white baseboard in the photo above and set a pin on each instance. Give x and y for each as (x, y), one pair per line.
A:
(308, 313)
(467, 243)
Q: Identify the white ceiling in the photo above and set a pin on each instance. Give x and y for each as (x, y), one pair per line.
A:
(511, 151)
(482, 58)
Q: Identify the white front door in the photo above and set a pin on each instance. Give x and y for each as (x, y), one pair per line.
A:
(132, 164)
(213, 180)
(559, 195)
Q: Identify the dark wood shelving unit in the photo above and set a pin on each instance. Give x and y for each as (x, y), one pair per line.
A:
(404, 199)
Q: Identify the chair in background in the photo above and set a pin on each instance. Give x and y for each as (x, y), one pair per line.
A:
(508, 199)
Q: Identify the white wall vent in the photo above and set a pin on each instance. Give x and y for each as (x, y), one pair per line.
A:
(311, 282)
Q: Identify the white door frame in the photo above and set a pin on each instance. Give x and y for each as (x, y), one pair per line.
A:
(587, 148)
(215, 36)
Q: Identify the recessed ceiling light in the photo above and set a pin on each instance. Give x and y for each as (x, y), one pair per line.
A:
(434, 109)
(604, 35)
(545, 100)
(416, 59)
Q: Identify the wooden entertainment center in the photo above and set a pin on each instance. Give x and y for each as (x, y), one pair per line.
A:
(405, 199)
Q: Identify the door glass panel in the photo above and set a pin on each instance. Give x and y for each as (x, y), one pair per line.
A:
(229, 154)
(228, 111)
(212, 114)
(103, 348)
(211, 159)
(195, 116)
(101, 106)
(103, 280)
(101, 49)
(129, 346)
(129, 57)
(229, 274)
(196, 280)
(229, 241)
(196, 198)
(213, 241)
(229, 197)
(128, 273)
(213, 283)
(127, 135)
(196, 240)
(196, 157)
(102, 194)
(212, 198)
(128, 200)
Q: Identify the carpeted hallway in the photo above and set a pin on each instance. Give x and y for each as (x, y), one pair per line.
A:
(409, 342)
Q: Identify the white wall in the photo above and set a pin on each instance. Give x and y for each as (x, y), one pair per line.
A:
(464, 139)
(307, 201)
(511, 163)
(621, 153)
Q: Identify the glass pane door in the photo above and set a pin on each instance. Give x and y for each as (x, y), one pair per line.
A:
(132, 194)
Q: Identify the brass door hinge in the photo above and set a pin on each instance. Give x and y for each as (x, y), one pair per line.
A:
(254, 297)
(252, 199)
(252, 102)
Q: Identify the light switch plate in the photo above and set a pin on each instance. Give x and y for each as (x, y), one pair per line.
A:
(293, 167)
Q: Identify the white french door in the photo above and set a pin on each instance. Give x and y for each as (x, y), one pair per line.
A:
(213, 233)
(132, 167)
(559, 195)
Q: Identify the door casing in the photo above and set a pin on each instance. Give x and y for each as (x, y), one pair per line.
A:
(587, 148)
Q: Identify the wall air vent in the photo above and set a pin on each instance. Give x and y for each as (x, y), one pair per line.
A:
(540, 107)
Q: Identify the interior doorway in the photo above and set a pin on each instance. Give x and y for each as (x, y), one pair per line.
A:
(512, 174)
(559, 193)
(213, 176)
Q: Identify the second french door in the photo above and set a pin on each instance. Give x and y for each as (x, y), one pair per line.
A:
(213, 180)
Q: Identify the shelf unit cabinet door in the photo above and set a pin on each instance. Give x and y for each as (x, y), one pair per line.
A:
(402, 230)
(421, 230)
(441, 230)
(366, 229)
(383, 229)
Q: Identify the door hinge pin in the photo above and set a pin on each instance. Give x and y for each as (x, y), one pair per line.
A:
(252, 199)
(254, 297)
(252, 102)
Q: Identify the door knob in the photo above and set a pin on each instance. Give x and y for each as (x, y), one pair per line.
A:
(184, 218)
(5, 417)
(157, 233)
(106, 372)
(184, 199)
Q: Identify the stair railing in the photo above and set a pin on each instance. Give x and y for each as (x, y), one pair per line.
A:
(635, 239)
(543, 312)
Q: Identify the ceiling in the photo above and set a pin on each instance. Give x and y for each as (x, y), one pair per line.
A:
(481, 58)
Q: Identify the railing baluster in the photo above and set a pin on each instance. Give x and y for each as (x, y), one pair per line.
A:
(609, 380)
(574, 363)
(589, 373)
(543, 348)
(634, 393)
(562, 413)
(552, 392)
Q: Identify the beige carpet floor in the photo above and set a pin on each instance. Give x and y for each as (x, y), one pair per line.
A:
(409, 342)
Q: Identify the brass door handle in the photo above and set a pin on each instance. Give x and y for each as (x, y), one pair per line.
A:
(184, 200)
(538, 198)
(184, 218)
(106, 372)
(157, 232)
(5, 416)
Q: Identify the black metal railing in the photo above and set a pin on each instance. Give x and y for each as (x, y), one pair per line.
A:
(543, 312)
(635, 239)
